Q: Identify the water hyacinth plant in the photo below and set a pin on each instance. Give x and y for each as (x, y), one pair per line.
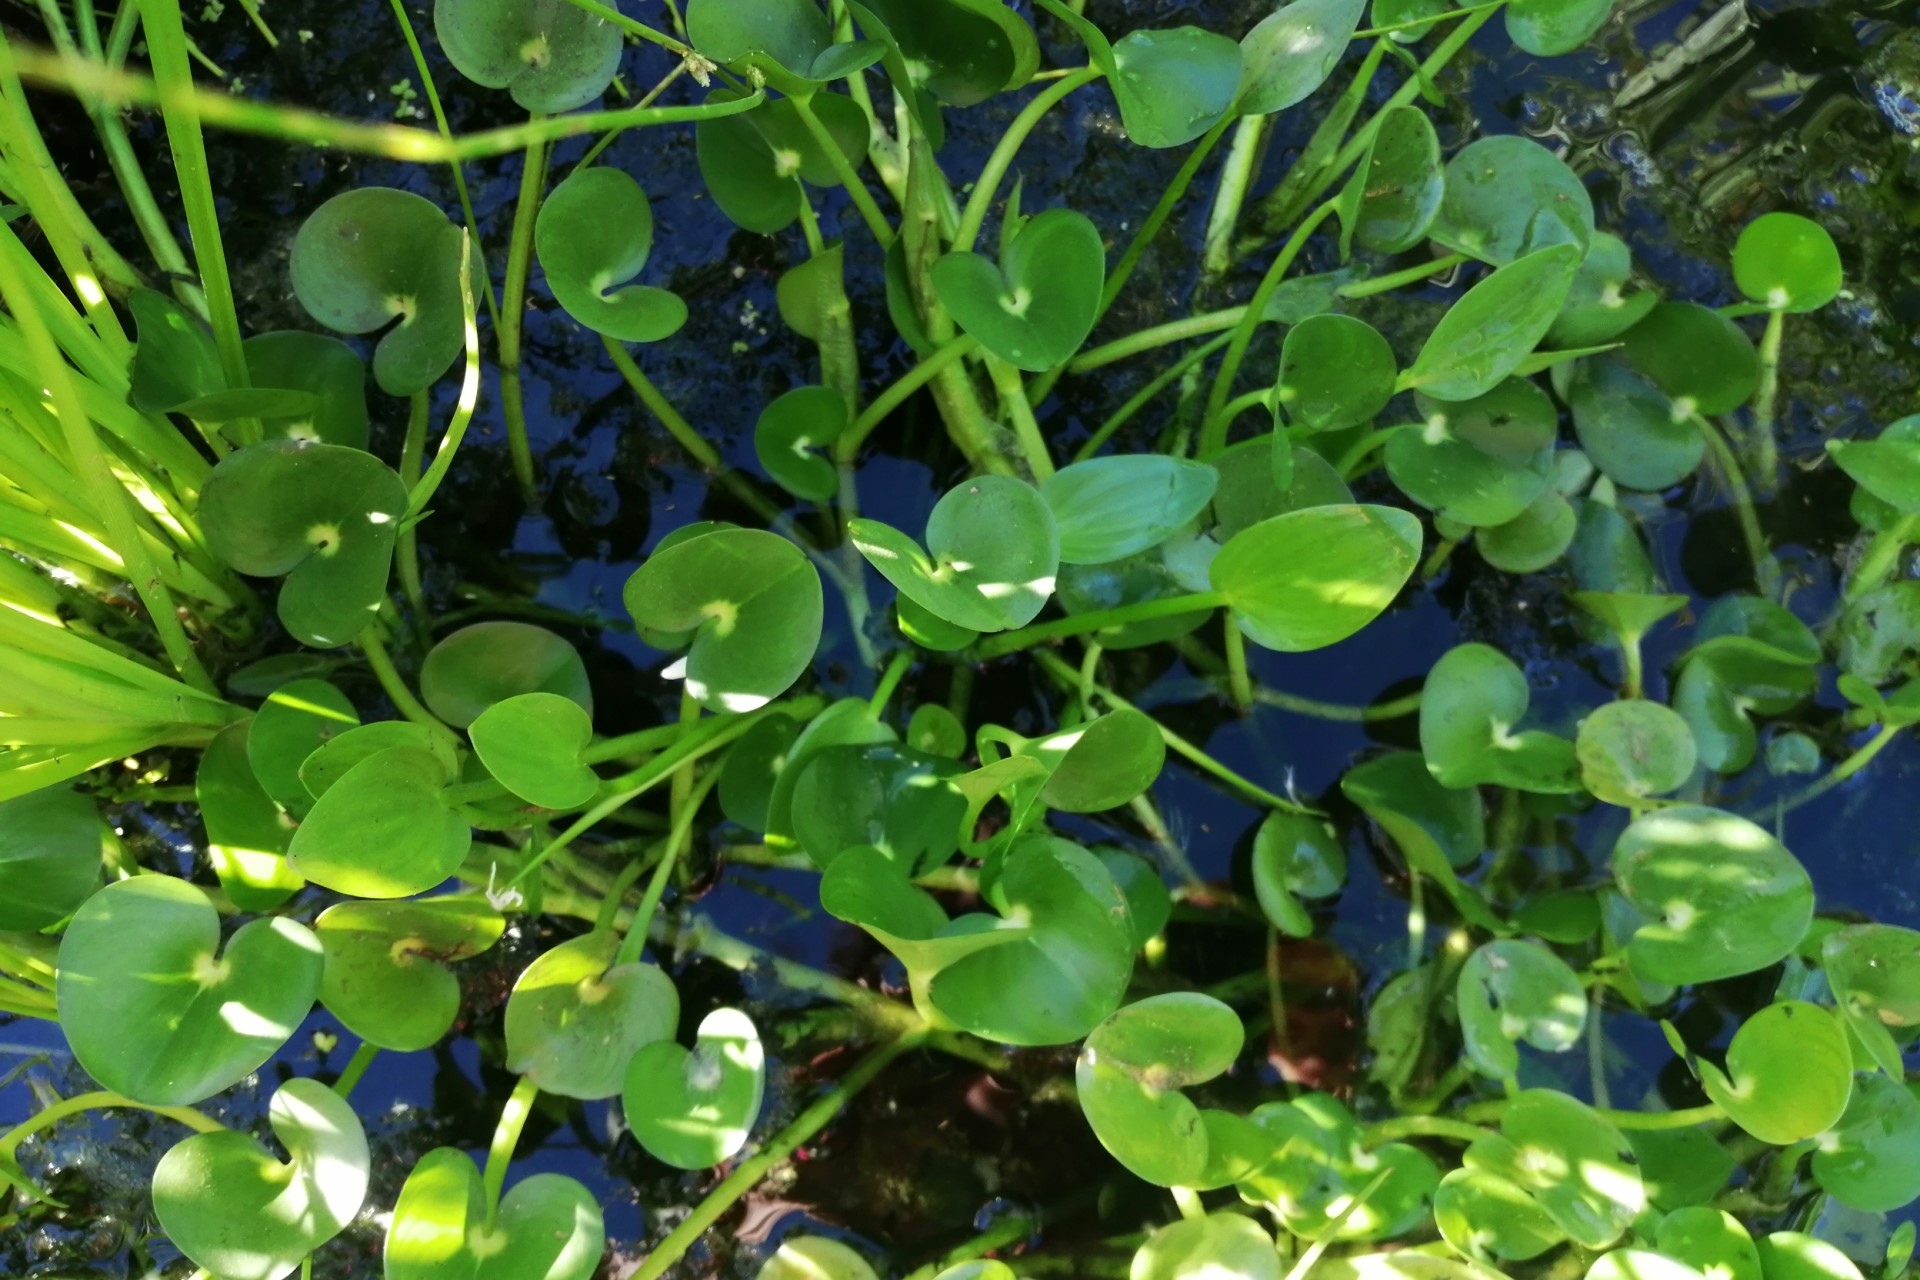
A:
(215, 600)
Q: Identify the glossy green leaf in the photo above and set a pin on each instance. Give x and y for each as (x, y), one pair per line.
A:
(1487, 1218)
(1436, 827)
(1533, 539)
(1100, 764)
(937, 731)
(297, 719)
(1292, 51)
(549, 1227)
(51, 845)
(960, 51)
(386, 977)
(1295, 857)
(1888, 467)
(1511, 991)
(1879, 631)
(489, 662)
(175, 360)
(382, 830)
(1335, 372)
(1496, 325)
(1507, 197)
(1109, 508)
(750, 160)
(1149, 904)
(790, 42)
(789, 429)
(1250, 492)
(1395, 192)
(1321, 1164)
(1171, 85)
(1481, 462)
(1633, 749)
(325, 368)
(693, 1110)
(1470, 732)
(243, 1214)
(1703, 361)
(247, 833)
(1598, 309)
(1311, 578)
(993, 550)
(1720, 895)
(1640, 1264)
(886, 795)
(752, 765)
(848, 722)
(593, 235)
(1402, 1264)
(1681, 1167)
(1573, 1162)
(374, 255)
(1220, 1244)
(1789, 1073)
(550, 55)
(1132, 1069)
(815, 1258)
(753, 602)
(1553, 27)
(157, 1010)
(532, 744)
(1627, 427)
(1870, 1159)
(1787, 262)
(1711, 1241)
(1138, 578)
(1036, 306)
(575, 1019)
(1874, 972)
(333, 759)
(323, 515)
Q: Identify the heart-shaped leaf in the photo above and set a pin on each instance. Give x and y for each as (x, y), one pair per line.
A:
(1395, 193)
(749, 160)
(754, 606)
(1292, 51)
(1874, 971)
(1720, 895)
(1100, 764)
(1047, 970)
(1335, 372)
(548, 1227)
(1787, 263)
(241, 1213)
(1172, 85)
(815, 1258)
(371, 256)
(1435, 827)
(297, 719)
(335, 758)
(1480, 462)
(1134, 580)
(789, 429)
(382, 830)
(575, 1019)
(886, 795)
(1470, 733)
(1320, 1165)
(1130, 1074)
(532, 744)
(1711, 1241)
(1681, 1166)
(1508, 197)
(1311, 578)
(1553, 27)
(1793, 1255)
(593, 236)
(1870, 1159)
(790, 42)
(1038, 305)
(1509, 991)
(693, 1110)
(960, 51)
(386, 977)
(51, 845)
(325, 368)
(1295, 857)
(1483, 337)
(1598, 309)
(752, 769)
(1632, 749)
(155, 1010)
(1220, 1244)
(992, 552)
(1627, 426)
(323, 515)
(1789, 1073)
(1571, 1160)
(247, 832)
(1110, 508)
(490, 662)
(1703, 361)
(552, 56)
(1489, 1219)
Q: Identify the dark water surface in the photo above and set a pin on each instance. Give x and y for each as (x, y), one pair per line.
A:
(1813, 108)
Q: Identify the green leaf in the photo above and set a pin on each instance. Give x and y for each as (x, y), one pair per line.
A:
(1681, 1166)
(1470, 733)
(1870, 1159)
(1573, 1162)
(1395, 192)
(1436, 827)
(802, 420)
(891, 797)
(693, 1110)
(1130, 1074)
(247, 832)
(155, 1010)
(1100, 764)
(790, 42)
(1789, 1073)
(1480, 462)
(1597, 309)
(1486, 334)
(848, 722)
(242, 1214)
(386, 975)
(1109, 508)
(175, 360)
(1149, 905)
(1549, 28)
(936, 731)
(1509, 991)
(373, 255)
(550, 55)
(532, 744)
(1787, 262)
(1711, 1241)
(1172, 85)
(1632, 749)
(1721, 897)
(1220, 1244)
(1640, 1264)
(382, 830)
(993, 550)
(1703, 361)
(1489, 1219)
(1888, 468)
(1038, 305)
(593, 234)
(325, 368)
(1508, 197)
(51, 845)
(1311, 578)
(297, 719)
(753, 603)
(489, 662)
(1295, 857)
(323, 515)
(1627, 426)
(1789, 1255)
(750, 160)
(1321, 1163)
(1533, 539)
(1292, 51)
(751, 769)
(1879, 631)
(1335, 372)
(960, 51)
(1874, 971)
(812, 295)
(575, 1019)
(815, 1258)
(549, 1227)
(1138, 578)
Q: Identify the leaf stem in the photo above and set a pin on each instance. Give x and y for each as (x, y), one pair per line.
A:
(356, 1067)
(748, 1173)
(1026, 428)
(1766, 449)
(897, 668)
(847, 447)
(877, 224)
(375, 651)
(1096, 621)
(1144, 396)
(1394, 710)
(1882, 556)
(407, 545)
(1160, 335)
(1374, 285)
(424, 489)
(1853, 764)
(98, 1100)
(1239, 681)
(506, 1136)
(987, 185)
(513, 310)
(1766, 573)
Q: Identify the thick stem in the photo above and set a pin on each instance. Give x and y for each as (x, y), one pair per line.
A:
(1026, 428)
(847, 447)
(356, 1068)
(1766, 449)
(513, 305)
(877, 224)
(506, 1136)
(1236, 173)
(407, 545)
(1239, 681)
